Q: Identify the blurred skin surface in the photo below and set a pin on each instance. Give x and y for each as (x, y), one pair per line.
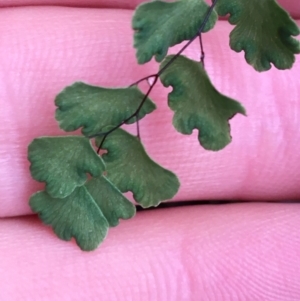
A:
(246, 251)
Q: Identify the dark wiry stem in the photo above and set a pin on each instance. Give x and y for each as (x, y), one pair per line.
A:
(191, 40)
(141, 80)
(156, 76)
(202, 50)
(105, 134)
(138, 126)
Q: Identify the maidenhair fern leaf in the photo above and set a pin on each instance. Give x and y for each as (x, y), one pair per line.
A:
(197, 104)
(263, 30)
(94, 108)
(62, 162)
(76, 216)
(111, 201)
(130, 169)
(159, 25)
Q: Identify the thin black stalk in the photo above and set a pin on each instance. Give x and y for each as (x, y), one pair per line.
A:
(105, 134)
(191, 40)
(100, 146)
(138, 134)
(202, 57)
(142, 79)
(156, 76)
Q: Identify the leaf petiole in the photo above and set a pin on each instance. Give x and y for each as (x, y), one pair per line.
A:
(209, 12)
(143, 79)
(156, 76)
(105, 134)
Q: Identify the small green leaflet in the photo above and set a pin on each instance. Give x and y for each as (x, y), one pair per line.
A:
(159, 25)
(197, 104)
(263, 30)
(62, 162)
(93, 108)
(110, 200)
(130, 169)
(76, 216)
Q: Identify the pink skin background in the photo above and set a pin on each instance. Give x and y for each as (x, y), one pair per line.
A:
(248, 251)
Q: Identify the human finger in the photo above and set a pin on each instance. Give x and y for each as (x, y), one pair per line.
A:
(244, 252)
(45, 49)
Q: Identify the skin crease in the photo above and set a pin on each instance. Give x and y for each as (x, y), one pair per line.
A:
(242, 252)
